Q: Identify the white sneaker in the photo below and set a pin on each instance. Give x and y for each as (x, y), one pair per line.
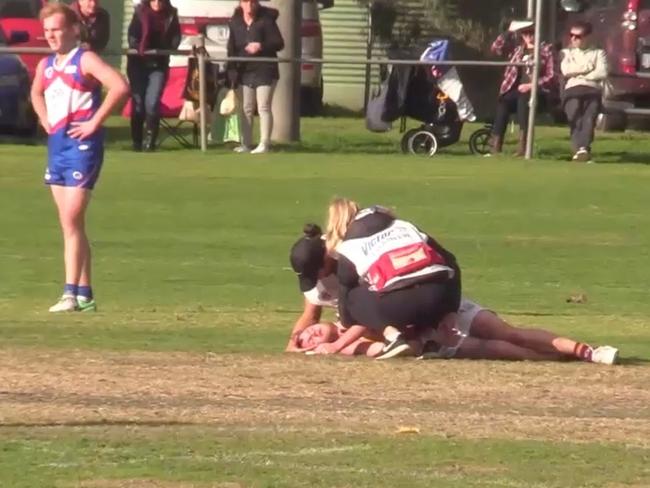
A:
(261, 149)
(67, 303)
(604, 355)
(242, 149)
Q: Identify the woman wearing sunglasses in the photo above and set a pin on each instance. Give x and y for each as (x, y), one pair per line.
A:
(584, 68)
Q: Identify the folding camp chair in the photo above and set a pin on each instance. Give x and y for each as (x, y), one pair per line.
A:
(171, 104)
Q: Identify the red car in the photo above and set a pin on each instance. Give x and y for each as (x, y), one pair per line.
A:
(21, 28)
(622, 28)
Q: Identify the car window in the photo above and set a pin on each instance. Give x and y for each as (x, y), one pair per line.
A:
(21, 9)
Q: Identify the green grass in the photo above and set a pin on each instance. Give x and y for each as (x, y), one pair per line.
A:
(55, 458)
(191, 254)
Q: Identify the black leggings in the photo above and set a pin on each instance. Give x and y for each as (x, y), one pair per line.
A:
(422, 305)
(509, 103)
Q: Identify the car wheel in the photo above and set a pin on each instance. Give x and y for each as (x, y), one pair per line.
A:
(311, 100)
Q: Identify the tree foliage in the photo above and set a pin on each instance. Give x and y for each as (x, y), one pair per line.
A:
(471, 23)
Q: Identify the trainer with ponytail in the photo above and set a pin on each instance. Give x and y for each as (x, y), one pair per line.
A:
(316, 279)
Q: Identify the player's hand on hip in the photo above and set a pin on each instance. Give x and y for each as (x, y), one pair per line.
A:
(83, 130)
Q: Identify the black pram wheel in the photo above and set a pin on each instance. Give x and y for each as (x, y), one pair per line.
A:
(423, 143)
(479, 141)
(405, 140)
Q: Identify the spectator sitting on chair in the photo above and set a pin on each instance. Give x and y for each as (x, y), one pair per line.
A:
(514, 94)
(154, 26)
(95, 23)
(584, 68)
(254, 33)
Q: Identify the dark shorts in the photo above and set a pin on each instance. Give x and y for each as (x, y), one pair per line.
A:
(422, 305)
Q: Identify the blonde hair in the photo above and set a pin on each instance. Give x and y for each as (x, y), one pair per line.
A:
(340, 214)
(51, 9)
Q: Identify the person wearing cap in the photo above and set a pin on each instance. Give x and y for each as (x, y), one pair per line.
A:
(307, 258)
(318, 283)
(514, 92)
(584, 69)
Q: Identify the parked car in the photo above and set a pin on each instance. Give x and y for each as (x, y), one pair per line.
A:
(21, 28)
(210, 17)
(622, 28)
(16, 114)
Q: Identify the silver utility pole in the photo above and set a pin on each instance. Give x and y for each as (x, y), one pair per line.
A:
(534, 92)
(286, 101)
(530, 9)
(368, 67)
(203, 104)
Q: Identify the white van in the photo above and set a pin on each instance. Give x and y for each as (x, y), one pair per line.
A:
(211, 17)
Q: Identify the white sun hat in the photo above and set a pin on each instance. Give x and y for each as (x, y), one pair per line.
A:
(517, 25)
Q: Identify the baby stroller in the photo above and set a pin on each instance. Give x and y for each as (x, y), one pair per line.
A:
(431, 94)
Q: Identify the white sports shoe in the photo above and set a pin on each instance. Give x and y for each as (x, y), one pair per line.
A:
(242, 149)
(604, 355)
(67, 303)
(261, 148)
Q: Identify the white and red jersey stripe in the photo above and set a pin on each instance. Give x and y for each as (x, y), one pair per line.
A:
(69, 95)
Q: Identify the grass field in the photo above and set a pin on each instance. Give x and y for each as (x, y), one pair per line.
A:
(179, 379)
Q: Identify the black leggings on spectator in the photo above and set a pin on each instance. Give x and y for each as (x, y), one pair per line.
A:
(422, 305)
(507, 104)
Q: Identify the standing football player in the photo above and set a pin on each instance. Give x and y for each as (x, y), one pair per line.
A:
(66, 95)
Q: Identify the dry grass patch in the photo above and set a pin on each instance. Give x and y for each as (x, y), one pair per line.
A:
(467, 399)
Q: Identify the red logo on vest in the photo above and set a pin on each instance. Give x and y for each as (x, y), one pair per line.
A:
(402, 261)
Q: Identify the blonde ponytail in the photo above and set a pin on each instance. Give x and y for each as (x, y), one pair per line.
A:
(340, 214)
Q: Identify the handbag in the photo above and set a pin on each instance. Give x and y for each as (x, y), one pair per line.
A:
(229, 104)
(188, 112)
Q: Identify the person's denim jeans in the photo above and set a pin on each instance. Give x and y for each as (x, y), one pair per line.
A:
(147, 85)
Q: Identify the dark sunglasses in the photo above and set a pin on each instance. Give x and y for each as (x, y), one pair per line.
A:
(576, 36)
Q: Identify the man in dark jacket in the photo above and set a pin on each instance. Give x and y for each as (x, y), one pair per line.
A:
(95, 24)
(154, 25)
(254, 33)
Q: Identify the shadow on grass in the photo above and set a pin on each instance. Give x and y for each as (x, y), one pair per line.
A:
(633, 361)
(623, 157)
(348, 147)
